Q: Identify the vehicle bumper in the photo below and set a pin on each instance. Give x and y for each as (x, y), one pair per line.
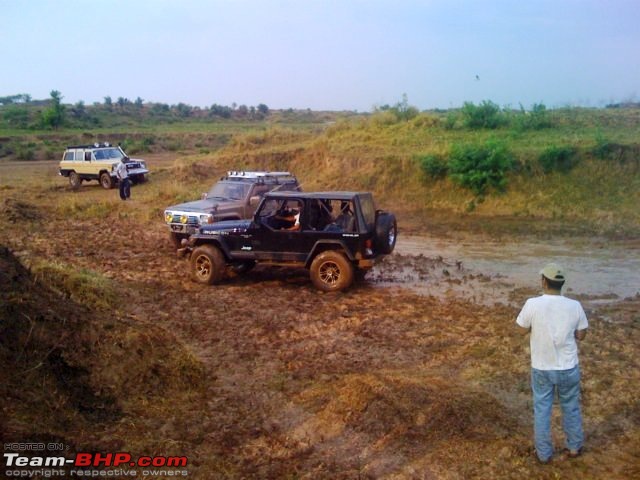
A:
(186, 229)
(366, 263)
(135, 171)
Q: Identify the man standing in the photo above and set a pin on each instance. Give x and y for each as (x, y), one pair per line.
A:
(123, 179)
(556, 324)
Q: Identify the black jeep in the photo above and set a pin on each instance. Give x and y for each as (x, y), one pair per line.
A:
(336, 235)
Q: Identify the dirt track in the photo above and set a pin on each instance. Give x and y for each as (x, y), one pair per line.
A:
(378, 382)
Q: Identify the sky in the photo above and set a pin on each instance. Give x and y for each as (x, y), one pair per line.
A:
(323, 55)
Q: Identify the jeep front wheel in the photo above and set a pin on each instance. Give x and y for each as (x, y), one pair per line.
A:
(331, 271)
(106, 181)
(74, 180)
(207, 264)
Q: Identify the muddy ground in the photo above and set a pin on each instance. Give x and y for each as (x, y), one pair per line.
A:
(417, 372)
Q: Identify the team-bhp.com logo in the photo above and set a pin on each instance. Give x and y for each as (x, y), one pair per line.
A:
(84, 464)
(94, 460)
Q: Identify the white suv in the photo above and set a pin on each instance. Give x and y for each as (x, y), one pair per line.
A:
(98, 162)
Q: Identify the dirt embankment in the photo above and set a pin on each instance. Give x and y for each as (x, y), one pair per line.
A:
(94, 380)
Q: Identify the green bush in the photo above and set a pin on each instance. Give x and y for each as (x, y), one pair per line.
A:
(561, 159)
(25, 152)
(606, 150)
(434, 166)
(481, 167)
(485, 115)
(536, 119)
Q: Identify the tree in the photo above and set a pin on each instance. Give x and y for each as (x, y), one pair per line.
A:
(79, 110)
(53, 117)
(219, 111)
(16, 116)
(122, 102)
(263, 109)
(108, 103)
(403, 111)
(138, 103)
(243, 111)
(183, 110)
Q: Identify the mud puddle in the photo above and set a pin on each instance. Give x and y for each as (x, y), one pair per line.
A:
(491, 272)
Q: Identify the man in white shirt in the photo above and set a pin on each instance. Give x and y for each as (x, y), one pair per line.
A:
(123, 179)
(556, 324)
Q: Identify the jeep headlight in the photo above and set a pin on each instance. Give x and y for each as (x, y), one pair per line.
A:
(168, 216)
(184, 218)
(206, 218)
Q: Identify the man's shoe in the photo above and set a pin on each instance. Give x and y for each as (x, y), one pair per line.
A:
(542, 461)
(572, 453)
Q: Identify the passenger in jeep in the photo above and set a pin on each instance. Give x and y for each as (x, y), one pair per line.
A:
(288, 220)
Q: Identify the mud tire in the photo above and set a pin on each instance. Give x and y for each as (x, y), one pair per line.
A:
(106, 181)
(207, 265)
(331, 271)
(75, 181)
(386, 233)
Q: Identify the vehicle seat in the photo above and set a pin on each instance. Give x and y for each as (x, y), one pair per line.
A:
(346, 222)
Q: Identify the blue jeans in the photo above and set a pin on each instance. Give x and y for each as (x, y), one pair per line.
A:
(125, 188)
(567, 383)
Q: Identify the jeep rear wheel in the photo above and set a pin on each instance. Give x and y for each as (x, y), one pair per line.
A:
(331, 271)
(74, 180)
(386, 233)
(106, 181)
(207, 264)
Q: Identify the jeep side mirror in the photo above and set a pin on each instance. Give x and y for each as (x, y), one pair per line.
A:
(254, 201)
(204, 196)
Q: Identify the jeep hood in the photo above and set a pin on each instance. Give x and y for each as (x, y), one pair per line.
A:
(226, 225)
(204, 206)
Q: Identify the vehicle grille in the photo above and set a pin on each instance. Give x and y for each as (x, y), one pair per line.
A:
(192, 220)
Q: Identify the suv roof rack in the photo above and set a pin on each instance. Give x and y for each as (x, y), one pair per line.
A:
(243, 174)
(260, 177)
(93, 145)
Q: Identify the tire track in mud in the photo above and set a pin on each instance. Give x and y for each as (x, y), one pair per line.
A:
(302, 381)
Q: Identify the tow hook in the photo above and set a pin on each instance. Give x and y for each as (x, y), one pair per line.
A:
(185, 250)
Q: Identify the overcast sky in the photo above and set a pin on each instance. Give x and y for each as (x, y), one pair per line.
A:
(323, 55)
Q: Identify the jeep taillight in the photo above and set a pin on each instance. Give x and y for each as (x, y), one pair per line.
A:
(368, 247)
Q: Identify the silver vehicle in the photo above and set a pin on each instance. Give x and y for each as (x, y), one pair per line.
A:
(234, 197)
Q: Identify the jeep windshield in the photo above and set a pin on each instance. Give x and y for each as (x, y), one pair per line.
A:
(108, 154)
(229, 191)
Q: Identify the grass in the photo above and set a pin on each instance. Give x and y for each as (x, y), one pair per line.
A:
(581, 168)
(82, 286)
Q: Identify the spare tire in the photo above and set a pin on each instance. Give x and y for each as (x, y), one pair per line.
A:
(386, 233)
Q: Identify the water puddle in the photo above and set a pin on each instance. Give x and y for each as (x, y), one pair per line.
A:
(490, 272)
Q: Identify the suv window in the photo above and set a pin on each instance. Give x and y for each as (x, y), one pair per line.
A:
(368, 211)
(107, 154)
(68, 156)
(281, 214)
(229, 190)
